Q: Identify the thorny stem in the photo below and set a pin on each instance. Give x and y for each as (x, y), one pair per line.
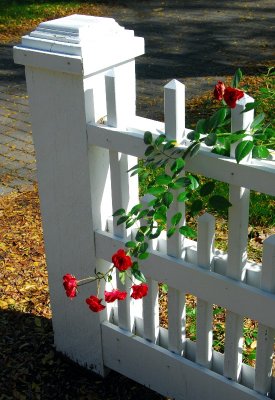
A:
(98, 277)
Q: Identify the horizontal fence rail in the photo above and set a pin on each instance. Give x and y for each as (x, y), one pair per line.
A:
(258, 176)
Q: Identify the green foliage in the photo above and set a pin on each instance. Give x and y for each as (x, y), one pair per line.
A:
(162, 174)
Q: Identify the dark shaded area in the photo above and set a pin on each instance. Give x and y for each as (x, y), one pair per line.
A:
(30, 368)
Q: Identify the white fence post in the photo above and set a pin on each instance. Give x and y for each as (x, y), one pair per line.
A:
(174, 115)
(66, 60)
(238, 216)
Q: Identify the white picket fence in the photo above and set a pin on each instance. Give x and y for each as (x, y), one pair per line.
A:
(80, 69)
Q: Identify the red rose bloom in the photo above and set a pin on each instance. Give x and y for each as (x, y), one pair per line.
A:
(139, 291)
(231, 95)
(121, 261)
(94, 304)
(115, 294)
(70, 285)
(219, 90)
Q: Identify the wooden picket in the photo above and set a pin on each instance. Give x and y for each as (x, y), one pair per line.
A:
(83, 153)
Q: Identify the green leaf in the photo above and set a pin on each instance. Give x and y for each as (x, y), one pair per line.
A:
(219, 203)
(156, 234)
(135, 172)
(148, 138)
(119, 212)
(211, 139)
(182, 196)
(139, 275)
(122, 219)
(207, 188)
(135, 209)
(164, 287)
(257, 120)
(200, 127)
(122, 277)
(160, 216)
(169, 145)
(177, 165)
(134, 266)
(149, 151)
(140, 236)
(143, 213)
(216, 119)
(194, 184)
(193, 135)
(176, 218)
(171, 231)
(130, 223)
(143, 256)
(163, 179)
(260, 152)
(250, 106)
(156, 190)
(237, 78)
(196, 206)
(243, 149)
(195, 149)
(134, 167)
(143, 247)
(152, 203)
(181, 182)
(188, 232)
(167, 198)
(160, 139)
(130, 245)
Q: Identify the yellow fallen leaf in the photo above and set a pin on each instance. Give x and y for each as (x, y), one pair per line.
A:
(253, 344)
(10, 301)
(3, 304)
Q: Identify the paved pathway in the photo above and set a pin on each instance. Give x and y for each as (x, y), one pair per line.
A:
(196, 42)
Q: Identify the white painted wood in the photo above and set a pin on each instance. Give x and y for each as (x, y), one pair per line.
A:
(174, 114)
(165, 372)
(121, 95)
(64, 188)
(265, 340)
(79, 44)
(258, 176)
(151, 328)
(206, 232)
(66, 87)
(238, 216)
(174, 110)
(189, 278)
(120, 99)
(151, 312)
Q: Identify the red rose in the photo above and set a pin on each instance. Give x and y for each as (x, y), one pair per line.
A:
(231, 95)
(139, 291)
(219, 90)
(115, 294)
(121, 261)
(95, 304)
(70, 285)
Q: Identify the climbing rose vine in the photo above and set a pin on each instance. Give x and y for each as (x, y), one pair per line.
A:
(173, 183)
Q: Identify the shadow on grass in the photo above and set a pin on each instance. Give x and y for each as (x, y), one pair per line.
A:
(30, 368)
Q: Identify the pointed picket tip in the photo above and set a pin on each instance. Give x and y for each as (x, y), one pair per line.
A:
(174, 84)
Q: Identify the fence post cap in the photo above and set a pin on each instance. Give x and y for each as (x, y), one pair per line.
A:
(97, 43)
